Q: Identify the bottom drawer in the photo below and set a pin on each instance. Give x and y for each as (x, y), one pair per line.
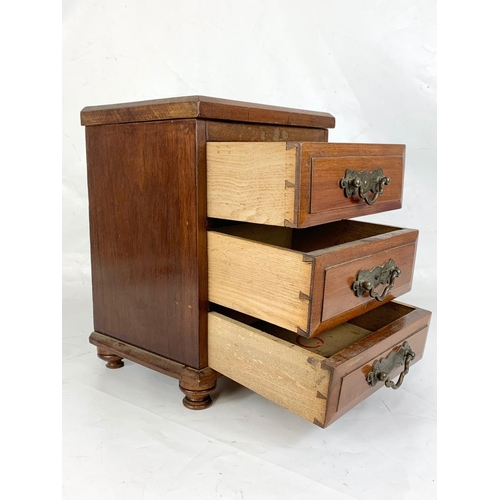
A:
(318, 378)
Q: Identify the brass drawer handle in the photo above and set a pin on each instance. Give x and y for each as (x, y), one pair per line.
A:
(361, 183)
(368, 281)
(383, 367)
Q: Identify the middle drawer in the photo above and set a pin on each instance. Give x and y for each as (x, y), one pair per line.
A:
(309, 280)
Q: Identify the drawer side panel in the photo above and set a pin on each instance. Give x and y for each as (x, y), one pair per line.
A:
(281, 372)
(263, 281)
(251, 182)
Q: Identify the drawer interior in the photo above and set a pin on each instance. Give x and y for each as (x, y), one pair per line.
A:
(331, 341)
(308, 239)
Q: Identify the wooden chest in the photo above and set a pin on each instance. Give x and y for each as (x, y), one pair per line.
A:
(220, 246)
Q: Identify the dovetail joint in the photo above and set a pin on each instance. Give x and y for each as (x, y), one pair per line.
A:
(317, 422)
(301, 332)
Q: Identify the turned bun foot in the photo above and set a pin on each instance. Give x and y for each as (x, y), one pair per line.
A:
(113, 361)
(197, 399)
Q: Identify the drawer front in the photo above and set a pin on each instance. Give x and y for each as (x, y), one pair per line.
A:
(355, 387)
(327, 173)
(314, 383)
(301, 184)
(284, 277)
(339, 296)
(356, 369)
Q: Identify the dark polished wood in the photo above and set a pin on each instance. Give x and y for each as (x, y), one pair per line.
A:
(193, 380)
(112, 360)
(201, 331)
(348, 385)
(323, 165)
(335, 272)
(147, 202)
(143, 233)
(198, 385)
(204, 107)
(197, 400)
(137, 354)
(245, 132)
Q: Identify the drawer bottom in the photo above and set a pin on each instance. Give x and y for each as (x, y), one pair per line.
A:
(318, 378)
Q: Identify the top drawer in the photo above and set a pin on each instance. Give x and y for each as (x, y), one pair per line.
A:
(301, 184)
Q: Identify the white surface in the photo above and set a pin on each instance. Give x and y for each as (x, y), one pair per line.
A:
(371, 64)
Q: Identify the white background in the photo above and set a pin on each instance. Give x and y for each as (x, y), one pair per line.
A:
(373, 66)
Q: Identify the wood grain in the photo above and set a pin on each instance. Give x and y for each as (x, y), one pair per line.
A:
(190, 377)
(378, 318)
(252, 182)
(201, 238)
(412, 324)
(354, 386)
(338, 293)
(317, 240)
(281, 372)
(112, 360)
(319, 180)
(148, 220)
(203, 107)
(327, 194)
(262, 280)
(256, 181)
(281, 276)
(325, 344)
(383, 338)
(144, 236)
(152, 277)
(340, 264)
(277, 236)
(237, 132)
(272, 362)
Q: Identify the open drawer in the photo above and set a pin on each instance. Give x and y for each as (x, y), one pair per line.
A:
(301, 184)
(321, 378)
(312, 279)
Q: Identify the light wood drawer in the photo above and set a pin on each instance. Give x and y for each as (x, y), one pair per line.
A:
(322, 378)
(303, 280)
(298, 184)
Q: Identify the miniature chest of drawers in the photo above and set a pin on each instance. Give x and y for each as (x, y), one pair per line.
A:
(221, 245)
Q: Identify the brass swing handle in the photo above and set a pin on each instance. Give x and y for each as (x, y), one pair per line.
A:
(383, 367)
(361, 183)
(368, 281)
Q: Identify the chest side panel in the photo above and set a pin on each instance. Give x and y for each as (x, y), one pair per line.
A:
(143, 228)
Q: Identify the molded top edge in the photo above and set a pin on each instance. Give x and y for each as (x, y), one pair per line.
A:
(203, 107)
